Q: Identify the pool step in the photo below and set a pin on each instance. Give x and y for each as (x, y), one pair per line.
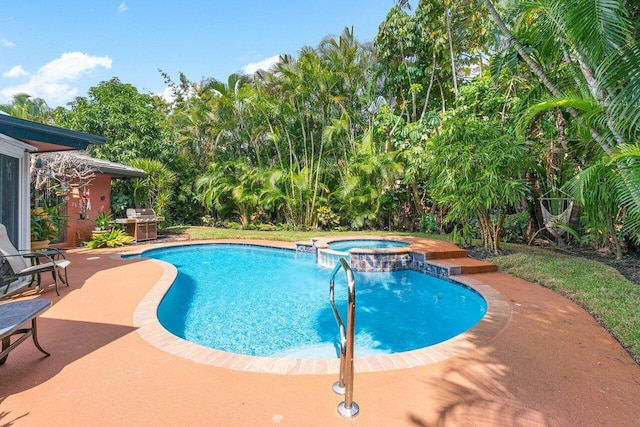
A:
(466, 265)
(435, 249)
(445, 253)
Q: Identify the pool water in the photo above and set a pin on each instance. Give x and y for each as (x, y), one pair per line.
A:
(346, 245)
(272, 302)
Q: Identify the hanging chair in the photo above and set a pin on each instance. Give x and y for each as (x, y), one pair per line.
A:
(556, 212)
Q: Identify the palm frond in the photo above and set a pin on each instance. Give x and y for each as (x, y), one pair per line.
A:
(627, 158)
(597, 28)
(587, 106)
(621, 74)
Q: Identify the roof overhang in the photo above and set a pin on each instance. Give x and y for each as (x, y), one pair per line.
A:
(116, 170)
(45, 137)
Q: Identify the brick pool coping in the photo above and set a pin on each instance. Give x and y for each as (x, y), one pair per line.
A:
(149, 328)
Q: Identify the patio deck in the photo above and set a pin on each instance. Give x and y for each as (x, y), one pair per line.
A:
(551, 365)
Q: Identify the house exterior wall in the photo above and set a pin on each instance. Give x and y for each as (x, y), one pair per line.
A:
(79, 229)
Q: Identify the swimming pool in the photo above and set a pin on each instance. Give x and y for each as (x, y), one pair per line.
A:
(271, 302)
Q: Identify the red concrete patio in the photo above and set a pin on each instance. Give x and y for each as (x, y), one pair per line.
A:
(550, 364)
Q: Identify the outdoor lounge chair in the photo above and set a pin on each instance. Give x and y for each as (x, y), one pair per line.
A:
(17, 271)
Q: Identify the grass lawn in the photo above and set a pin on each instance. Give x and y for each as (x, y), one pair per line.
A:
(612, 299)
(198, 233)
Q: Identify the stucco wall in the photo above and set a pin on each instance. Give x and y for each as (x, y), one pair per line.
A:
(78, 229)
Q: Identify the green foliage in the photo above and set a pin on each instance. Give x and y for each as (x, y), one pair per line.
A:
(45, 221)
(428, 223)
(184, 206)
(232, 187)
(627, 181)
(104, 221)
(27, 107)
(207, 221)
(327, 219)
(477, 169)
(609, 197)
(113, 238)
(267, 227)
(155, 189)
(514, 226)
(120, 202)
(119, 112)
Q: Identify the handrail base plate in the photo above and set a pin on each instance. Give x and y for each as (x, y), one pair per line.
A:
(348, 412)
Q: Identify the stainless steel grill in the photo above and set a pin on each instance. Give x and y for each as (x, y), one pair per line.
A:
(141, 224)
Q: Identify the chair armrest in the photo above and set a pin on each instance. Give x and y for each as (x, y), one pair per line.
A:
(50, 250)
(35, 255)
(53, 252)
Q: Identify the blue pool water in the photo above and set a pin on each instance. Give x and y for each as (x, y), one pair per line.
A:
(345, 245)
(273, 302)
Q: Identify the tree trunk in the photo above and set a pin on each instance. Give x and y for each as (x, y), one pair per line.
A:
(537, 194)
(447, 16)
(426, 100)
(496, 232)
(562, 138)
(417, 200)
(442, 97)
(617, 247)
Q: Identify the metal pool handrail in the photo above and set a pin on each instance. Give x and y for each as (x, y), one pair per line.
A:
(344, 385)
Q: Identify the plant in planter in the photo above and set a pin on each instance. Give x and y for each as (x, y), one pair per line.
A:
(44, 223)
(111, 238)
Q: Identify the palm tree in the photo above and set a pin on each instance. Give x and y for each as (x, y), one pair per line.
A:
(25, 106)
(153, 190)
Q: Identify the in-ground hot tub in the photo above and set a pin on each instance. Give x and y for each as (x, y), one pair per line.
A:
(365, 254)
(347, 245)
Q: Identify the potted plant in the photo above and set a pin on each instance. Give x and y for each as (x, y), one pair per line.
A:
(44, 225)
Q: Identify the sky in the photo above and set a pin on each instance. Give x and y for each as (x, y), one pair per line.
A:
(57, 50)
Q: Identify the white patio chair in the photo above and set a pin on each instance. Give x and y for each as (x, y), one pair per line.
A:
(17, 273)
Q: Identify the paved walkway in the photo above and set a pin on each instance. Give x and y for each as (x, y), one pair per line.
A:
(551, 365)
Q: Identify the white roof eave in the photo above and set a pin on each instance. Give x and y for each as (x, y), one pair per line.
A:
(22, 146)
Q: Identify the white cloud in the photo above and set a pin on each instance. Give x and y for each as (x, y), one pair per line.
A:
(49, 82)
(265, 65)
(123, 7)
(167, 95)
(72, 65)
(16, 71)
(6, 43)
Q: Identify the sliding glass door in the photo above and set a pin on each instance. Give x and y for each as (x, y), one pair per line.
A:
(10, 195)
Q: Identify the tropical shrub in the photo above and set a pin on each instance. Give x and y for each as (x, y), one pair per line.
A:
(477, 171)
(514, 225)
(103, 221)
(153, 190)
(45, 221)
(120, 201)
(428, 223)
(327, 219)
(113, 238)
